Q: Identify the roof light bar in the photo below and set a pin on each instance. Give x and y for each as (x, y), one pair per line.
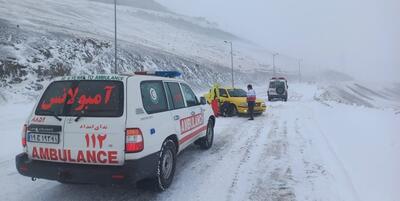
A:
(170, 74)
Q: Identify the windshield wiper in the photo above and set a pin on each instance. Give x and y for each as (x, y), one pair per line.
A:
(79, 115)
(54, 114)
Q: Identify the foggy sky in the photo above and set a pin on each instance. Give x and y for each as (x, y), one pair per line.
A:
(359, 37)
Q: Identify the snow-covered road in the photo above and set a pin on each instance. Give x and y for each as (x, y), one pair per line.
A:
(289, 153)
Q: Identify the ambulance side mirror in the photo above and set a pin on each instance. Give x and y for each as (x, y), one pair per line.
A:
(203, 101)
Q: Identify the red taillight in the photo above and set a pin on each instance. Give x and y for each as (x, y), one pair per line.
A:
(23, 168)
(118, 177)
(24, 129)
(133, 140)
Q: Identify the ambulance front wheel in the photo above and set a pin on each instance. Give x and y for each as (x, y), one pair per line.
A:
(207, 141)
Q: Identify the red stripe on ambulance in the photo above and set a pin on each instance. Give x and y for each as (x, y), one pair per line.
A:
(192, 135)
(189, 123)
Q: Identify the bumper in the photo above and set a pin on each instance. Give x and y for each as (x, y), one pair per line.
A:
(277, 96)
(257, 110)
(130, 172)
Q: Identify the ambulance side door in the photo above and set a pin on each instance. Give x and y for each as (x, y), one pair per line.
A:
(155, 123)
(177, 107)
(193, 125)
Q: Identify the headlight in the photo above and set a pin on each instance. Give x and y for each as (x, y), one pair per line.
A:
(243, 104)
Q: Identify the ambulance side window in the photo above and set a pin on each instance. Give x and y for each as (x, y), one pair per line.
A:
(153, 97)
(191, 99)
(177, 98)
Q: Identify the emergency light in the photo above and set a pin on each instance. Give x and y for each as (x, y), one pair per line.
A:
(170, 74)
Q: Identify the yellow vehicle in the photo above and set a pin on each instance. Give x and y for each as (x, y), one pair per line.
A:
(233, 101)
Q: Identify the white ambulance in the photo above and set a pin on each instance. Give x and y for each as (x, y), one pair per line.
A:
(113, 129)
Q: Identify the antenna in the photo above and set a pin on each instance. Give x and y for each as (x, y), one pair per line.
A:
(115, 37)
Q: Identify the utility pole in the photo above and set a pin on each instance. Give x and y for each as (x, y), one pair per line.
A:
(230, 42)
(273, 62)
(115, 37)
(300, 60)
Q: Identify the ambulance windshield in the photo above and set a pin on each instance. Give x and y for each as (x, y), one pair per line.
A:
(84, 98)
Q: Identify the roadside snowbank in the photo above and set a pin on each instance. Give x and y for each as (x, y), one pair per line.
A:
(367, 142)
(12, 120)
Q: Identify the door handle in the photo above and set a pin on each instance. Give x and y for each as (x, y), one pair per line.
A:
(193, 113)
(176, 117)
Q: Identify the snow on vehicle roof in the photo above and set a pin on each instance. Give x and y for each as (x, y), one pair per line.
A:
(114, 77)
(278, 78)
(94, 77)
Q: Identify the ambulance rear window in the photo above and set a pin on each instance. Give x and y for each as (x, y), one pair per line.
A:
(87, 98)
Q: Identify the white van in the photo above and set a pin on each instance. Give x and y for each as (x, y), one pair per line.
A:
(113, 129)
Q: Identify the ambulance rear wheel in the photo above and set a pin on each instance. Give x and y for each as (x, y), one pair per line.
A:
(166, 165)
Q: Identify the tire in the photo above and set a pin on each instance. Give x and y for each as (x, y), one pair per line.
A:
(280, 90)
(207, 141)
(233, 110)
(225, 109)
(166, 165)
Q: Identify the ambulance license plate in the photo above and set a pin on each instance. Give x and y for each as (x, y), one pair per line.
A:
(53, 138)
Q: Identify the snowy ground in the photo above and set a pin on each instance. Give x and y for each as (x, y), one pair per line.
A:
(304, 149)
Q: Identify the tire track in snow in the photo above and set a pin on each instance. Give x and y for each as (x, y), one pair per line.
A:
(320, 133)
(310, 172)
(291, 168)
(275, 180)
(249, 157)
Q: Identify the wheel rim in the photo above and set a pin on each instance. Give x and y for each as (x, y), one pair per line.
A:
(167, 163)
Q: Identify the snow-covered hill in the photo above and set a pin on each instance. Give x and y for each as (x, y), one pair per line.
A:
(371, 95)
(40, 40)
